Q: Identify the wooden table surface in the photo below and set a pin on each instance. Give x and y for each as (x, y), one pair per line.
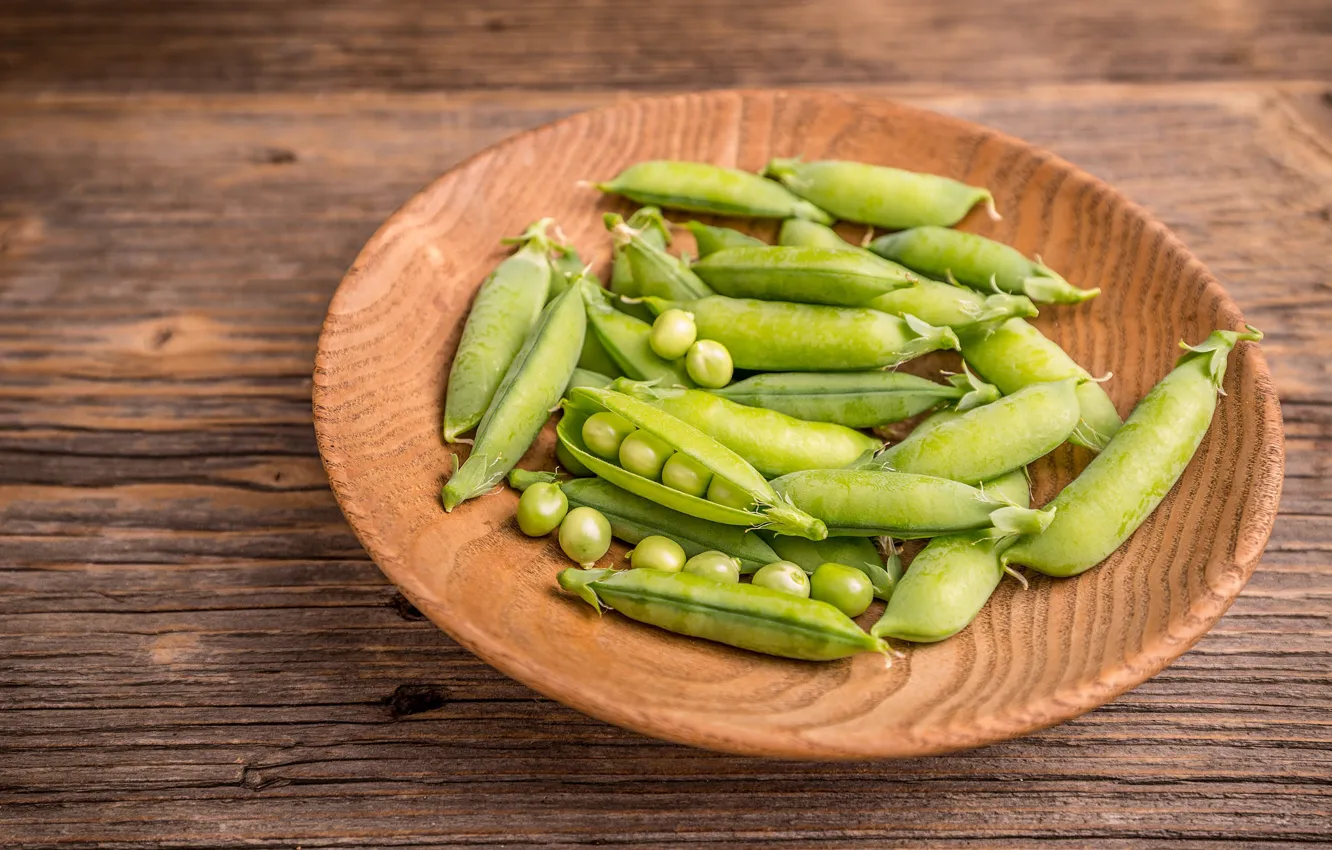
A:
(195, 651)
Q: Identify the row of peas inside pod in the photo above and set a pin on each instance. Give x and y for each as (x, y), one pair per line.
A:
(719, 413)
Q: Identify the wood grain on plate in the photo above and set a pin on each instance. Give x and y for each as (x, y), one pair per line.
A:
(1032, 659)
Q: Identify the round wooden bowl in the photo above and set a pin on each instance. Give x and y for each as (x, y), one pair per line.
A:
(1033, 658)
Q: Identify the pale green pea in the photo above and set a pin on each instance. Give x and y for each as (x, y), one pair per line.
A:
(658, 553)
(856, 552)
(604, 432)
(645, 455)
(704, 188)
(628, 341)
(875, 194)
(846, 589)
(683, 474)
(709, 363)
(711, 239)
(673, 333)
(541, 509)
(585, 535)
(715, 566)
(783, 576)
(722, 492)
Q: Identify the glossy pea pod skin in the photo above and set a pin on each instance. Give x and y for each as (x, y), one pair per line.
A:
(655, 272)
(704, 188)
(1121, 487)
(653, 229)
(711, 239)
(503, 314)
(587, 378)
(855, 552)
(990, 440)
(978, 262)
(1016, 354)
(870, 503)
(767, 511)
(627, 341)
(855, 399)
(740, 615)
(886, 197)
(776, 336)
(773, 442)
(845, 277)
(533, 384)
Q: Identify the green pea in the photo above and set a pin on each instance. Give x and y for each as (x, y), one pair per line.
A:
(774, 336)
(704, 188)
(712, 239)
(672, 334)
(541, 509)
(645, 455)
(855, 552)
(604, 433)
(502, 316)
(532, 385)
(784, 576)
(1121, 487)
(627, 341)
(874, 194)
(585, 535)
(716, 566)
(658, 553)
(709, 364)
(845, 588)
(740, 615)
(978, 262)
(723, 492)
(847, 277)
(686, 475)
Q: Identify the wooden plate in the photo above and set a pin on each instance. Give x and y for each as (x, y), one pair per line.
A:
(1033, 658)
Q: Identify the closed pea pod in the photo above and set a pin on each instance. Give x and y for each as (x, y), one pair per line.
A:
(876, 194)
(1121, 487)
(503, 314)
(628, 341)
(978, 262)
(847, 277)
(711, 239)
(655, 272)
(1016, 354)
(704, 188)
(775, 336)
(653, 230)
(741, 615)
(532, 385)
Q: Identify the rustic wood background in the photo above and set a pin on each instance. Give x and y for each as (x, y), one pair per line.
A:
(195, 652)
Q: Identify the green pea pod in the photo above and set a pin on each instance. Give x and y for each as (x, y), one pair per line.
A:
(595, 358)
(531, 387)
(856, 399)
(586, 378)
(653, 229)
(627, 341)
(978, 262)
(991, 440)
(773, 442)
(855, 552)
(769, 510)
(712, 239)
(655, 272)
(875, 194)
(777, 336)
(1016, 354)
(741, 615)
(566, 266)
(1121, 487)
(869, 503)
(844, 277)
(703, 188)
(503, 314)
(798, 232)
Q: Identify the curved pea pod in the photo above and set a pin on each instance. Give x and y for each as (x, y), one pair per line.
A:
(704, 188)
(876, 194)
(503, 314)
(846, 277)
(855, 552)
(627, 341)
(773, 442)
(587, 378)
(768, 511)
(855, 399)
(741, 615)
(778, 336)
(990, 440)
(712, 239)
(869, 503)
(1121, 487)
(1016, 354)
(978, 262)
(531, 387)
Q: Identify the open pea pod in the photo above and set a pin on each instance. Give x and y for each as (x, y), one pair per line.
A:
(626, 341)
(769, 510)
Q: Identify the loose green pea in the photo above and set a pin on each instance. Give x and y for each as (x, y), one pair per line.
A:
(673, 333)
(856, 552)
(717, 566)
(541, 509)
(705, 188)
(725, 493)
(658, 553)
(845, 588)
(709, 364)
(686, 475)
(605, 432)
(784, 576)
(627, 341)
(585, 535)
(712, 239)
(645, 455)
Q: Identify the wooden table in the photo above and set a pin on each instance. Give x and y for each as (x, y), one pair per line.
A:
(195, 652)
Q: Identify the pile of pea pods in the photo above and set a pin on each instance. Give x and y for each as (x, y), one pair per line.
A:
(717, 413)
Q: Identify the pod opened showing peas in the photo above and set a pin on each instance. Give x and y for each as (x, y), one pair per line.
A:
(756, 505)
